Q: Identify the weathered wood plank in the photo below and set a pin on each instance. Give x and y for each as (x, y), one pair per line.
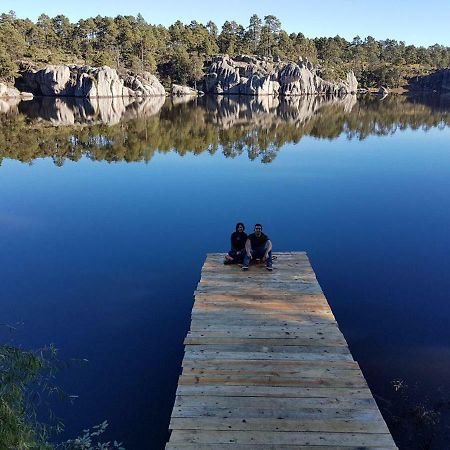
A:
(280, 438)
(255, 347)
(184, 446)
(257, 341)
(273, 403)
(273, 371)
(267, 334)
(311, 413)
(270, 424)
(282, 365)
(272, 391)
(272, 356)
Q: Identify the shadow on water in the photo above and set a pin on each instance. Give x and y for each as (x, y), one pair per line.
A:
(116, 129)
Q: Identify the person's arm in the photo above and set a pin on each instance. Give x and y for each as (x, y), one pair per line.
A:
(248, 248)
(268, 249)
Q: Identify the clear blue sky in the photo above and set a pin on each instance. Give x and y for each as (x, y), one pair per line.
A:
(415, 22)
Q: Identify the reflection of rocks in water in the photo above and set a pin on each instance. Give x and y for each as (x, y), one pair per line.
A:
(436, 102)
(71, 111)
(144, 107)
(256, 126)
(115, 110)
(9, 106)
(232, 111)
(302, 109)
(59, 111)
(181, 99)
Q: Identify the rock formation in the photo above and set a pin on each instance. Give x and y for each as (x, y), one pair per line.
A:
(438, 81)
(11, 92)
(88, 82)
(144, 85)
(178, 90)
(247, 75)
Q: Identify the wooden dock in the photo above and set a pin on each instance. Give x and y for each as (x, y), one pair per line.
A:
(266, 366)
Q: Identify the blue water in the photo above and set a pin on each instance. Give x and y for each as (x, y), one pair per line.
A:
(102, 259)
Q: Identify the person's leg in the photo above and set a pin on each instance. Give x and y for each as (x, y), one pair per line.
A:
(239, 256)
(269, 257)
(259, 252)
(246, 260)
(230, 257)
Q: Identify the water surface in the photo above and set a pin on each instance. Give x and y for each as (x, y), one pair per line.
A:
(107, 211)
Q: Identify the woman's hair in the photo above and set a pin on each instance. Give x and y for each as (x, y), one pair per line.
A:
(240, 223)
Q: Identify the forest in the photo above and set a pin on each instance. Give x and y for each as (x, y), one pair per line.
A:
(181, 52)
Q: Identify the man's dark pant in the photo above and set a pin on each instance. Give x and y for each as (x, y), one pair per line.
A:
(258, 253)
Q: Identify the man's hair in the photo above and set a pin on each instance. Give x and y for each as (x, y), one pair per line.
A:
(240, 223)
(258, 225)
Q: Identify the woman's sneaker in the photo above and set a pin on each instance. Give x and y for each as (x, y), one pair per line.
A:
(244, 267)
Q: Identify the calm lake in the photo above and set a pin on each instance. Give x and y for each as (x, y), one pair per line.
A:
(108, 209)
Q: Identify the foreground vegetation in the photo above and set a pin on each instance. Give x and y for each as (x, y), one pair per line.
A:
(181, 52)
(27, 383)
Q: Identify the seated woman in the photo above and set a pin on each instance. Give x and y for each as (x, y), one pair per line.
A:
(238, 239)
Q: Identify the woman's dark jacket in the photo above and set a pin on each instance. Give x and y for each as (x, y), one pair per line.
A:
(238, 240)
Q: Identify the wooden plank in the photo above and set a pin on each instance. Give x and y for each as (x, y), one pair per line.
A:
(272, 391)
(253, 340)
(300, 414)
(308, 372)
(280, 438)
(228, 446)
(264, 296)
(267, 308)
(272, 381)
(267, 356)
(266, 366)
(267, 334)
(262, 318)
(268, 330)
(269, 424)
(273, 364)
(273, 403)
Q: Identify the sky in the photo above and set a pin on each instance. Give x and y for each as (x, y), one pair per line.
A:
(415, 22)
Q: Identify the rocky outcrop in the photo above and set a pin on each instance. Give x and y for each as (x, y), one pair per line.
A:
(438, 82)
(247, 75)
(11, 92)
(178, 90)
(88, 82)
(144, 85)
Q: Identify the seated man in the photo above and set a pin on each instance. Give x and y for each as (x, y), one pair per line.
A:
(258, 246)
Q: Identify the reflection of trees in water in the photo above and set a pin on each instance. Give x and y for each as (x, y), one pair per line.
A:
(110, 130)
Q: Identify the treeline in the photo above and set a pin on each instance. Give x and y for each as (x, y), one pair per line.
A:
(181, 52)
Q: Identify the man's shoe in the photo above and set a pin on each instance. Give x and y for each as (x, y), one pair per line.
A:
(270, 268)
(244, 267)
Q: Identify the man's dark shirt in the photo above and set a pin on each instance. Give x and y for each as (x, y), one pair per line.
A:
(238, 240)
(258, 241)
